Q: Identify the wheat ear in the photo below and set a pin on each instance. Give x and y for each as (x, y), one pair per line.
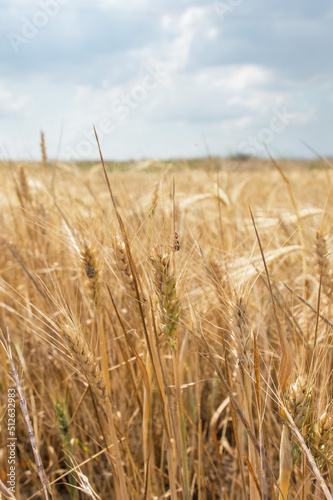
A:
(165, 289)
(43, 149)
(87, 363)
(92, 271)
(323, 264)
(125, 270)
(91, 369)
(154, 200)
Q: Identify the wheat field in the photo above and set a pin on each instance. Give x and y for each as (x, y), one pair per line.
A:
(169, 334)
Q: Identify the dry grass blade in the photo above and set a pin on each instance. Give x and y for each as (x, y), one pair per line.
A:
(40, 468)
(126, 242)
(309, 456)
(313, 309)
(323, 159)
(249, 466)
(237, 408)
(257, 374)
(24, 268)
(260, 416)
(293, 201)
(286, 465)
(213, 424)
(287, 363)
(6, 491)
(130, 343)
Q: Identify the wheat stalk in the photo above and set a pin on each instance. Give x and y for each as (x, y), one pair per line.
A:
(40, 468)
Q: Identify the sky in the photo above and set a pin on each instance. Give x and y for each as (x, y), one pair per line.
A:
(165, 78)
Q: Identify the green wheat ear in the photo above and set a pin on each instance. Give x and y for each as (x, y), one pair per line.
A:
(63, 424)
(166, 292)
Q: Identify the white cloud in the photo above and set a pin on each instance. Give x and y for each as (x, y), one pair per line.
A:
(166, 21)
(184, 29)
(128, 5)
(212, 33)
(191, 17)
(9, 101)
(242, 77)
(303, 118)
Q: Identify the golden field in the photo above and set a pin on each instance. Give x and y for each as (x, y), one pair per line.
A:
(150, 371)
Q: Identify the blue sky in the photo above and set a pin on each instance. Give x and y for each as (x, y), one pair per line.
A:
(166, 78)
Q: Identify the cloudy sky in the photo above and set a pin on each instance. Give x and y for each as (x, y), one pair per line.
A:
(165, 78)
